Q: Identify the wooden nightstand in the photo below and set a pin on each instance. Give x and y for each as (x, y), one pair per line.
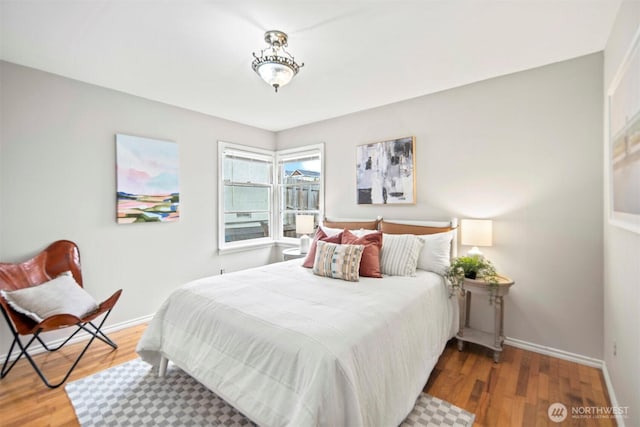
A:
(292, 253)
(493, 340)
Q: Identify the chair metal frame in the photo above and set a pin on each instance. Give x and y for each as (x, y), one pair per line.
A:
(60, 256)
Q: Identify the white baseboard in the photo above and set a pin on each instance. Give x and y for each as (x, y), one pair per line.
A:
(82, 336)
(572, 357)
(612, 394)
(550, 351)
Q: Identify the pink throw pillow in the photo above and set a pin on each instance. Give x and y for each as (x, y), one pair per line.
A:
(370, 261)
(320, 235)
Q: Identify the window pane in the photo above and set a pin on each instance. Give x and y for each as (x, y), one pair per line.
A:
(240, 169)
(245, 226)
(302, 196)
(300, 179)
(245, 198)
(299, 170)
(289, 223)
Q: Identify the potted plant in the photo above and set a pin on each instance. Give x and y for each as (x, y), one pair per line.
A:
(472, 267)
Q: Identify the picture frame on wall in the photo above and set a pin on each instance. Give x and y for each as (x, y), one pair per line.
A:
(147, 187)
(386, 172)
(623, 142)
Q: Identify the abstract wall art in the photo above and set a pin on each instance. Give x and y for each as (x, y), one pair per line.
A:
(147, 180)
(386, 172)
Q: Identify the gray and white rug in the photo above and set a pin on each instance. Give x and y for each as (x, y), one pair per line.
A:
(131, 394)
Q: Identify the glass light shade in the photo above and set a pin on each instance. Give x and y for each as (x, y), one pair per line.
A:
(304, 224)
(476, 232)
(275, 74)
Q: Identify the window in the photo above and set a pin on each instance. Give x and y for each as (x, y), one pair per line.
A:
(245, 195)
(252, 208)
(300, 187)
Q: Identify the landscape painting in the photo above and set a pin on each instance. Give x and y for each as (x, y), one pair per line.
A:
(386, 172)
(147, 180)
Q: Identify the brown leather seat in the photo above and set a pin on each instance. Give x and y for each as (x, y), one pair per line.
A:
(57, 258)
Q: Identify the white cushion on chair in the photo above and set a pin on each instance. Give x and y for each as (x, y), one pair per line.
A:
(61, 295)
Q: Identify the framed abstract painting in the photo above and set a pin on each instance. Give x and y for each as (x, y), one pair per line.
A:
(386, 172)
(147, 180)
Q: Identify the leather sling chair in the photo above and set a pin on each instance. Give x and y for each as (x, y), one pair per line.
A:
(59, 257)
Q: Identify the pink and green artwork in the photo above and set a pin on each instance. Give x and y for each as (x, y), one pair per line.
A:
(147, 174)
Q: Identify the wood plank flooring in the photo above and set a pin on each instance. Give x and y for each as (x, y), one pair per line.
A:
(26, 402)
(518, 390)
(515, 392)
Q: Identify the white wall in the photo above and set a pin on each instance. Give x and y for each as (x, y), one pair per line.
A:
(621, 254)
(57, 174)
(523, 149)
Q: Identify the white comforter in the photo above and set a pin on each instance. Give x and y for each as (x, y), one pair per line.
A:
(288, 348)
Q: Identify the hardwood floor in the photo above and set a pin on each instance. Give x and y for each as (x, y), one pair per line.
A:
(26, 401)
(515, 392)
(518, 390)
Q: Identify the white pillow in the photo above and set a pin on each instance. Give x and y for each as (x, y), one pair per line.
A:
(362, 232)
(330, 231)
(61, 295)
(399, 256)
(435, 256)
(358, 233)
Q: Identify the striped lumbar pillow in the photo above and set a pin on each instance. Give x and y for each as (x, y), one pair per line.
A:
(399, 256)
(338, 261)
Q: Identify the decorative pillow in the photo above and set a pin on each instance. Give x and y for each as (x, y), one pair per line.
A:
(320, 235)
(358, 232)
(399, 255)
(370, 262)
(61, 295)
(331, 231)
(436, 254)
(338, 261)
(362, 232)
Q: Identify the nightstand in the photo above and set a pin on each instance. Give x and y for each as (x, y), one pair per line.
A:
(493, 340)
(292, 253)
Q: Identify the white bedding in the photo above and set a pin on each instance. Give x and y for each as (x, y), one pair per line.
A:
(288, 348)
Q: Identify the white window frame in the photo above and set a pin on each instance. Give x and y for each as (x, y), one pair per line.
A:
(275, 192)
(294, 153)
(248, 152)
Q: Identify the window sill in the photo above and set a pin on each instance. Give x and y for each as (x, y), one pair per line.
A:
(289, 243)
(245, 247)
(282, 243)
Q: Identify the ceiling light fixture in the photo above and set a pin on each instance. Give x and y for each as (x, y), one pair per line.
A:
(272, 65)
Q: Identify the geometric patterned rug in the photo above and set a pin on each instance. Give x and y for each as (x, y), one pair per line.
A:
(132, 394)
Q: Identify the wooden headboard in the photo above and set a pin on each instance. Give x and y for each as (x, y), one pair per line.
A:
(352, 224)
(392, 226)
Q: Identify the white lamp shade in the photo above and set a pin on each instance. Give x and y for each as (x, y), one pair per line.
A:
(476, 232)
(304, 224)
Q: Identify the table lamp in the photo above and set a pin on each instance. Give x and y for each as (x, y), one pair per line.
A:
(304, 226)
(476, 232)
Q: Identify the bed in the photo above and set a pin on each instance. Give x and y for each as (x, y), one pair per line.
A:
(287, 347)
